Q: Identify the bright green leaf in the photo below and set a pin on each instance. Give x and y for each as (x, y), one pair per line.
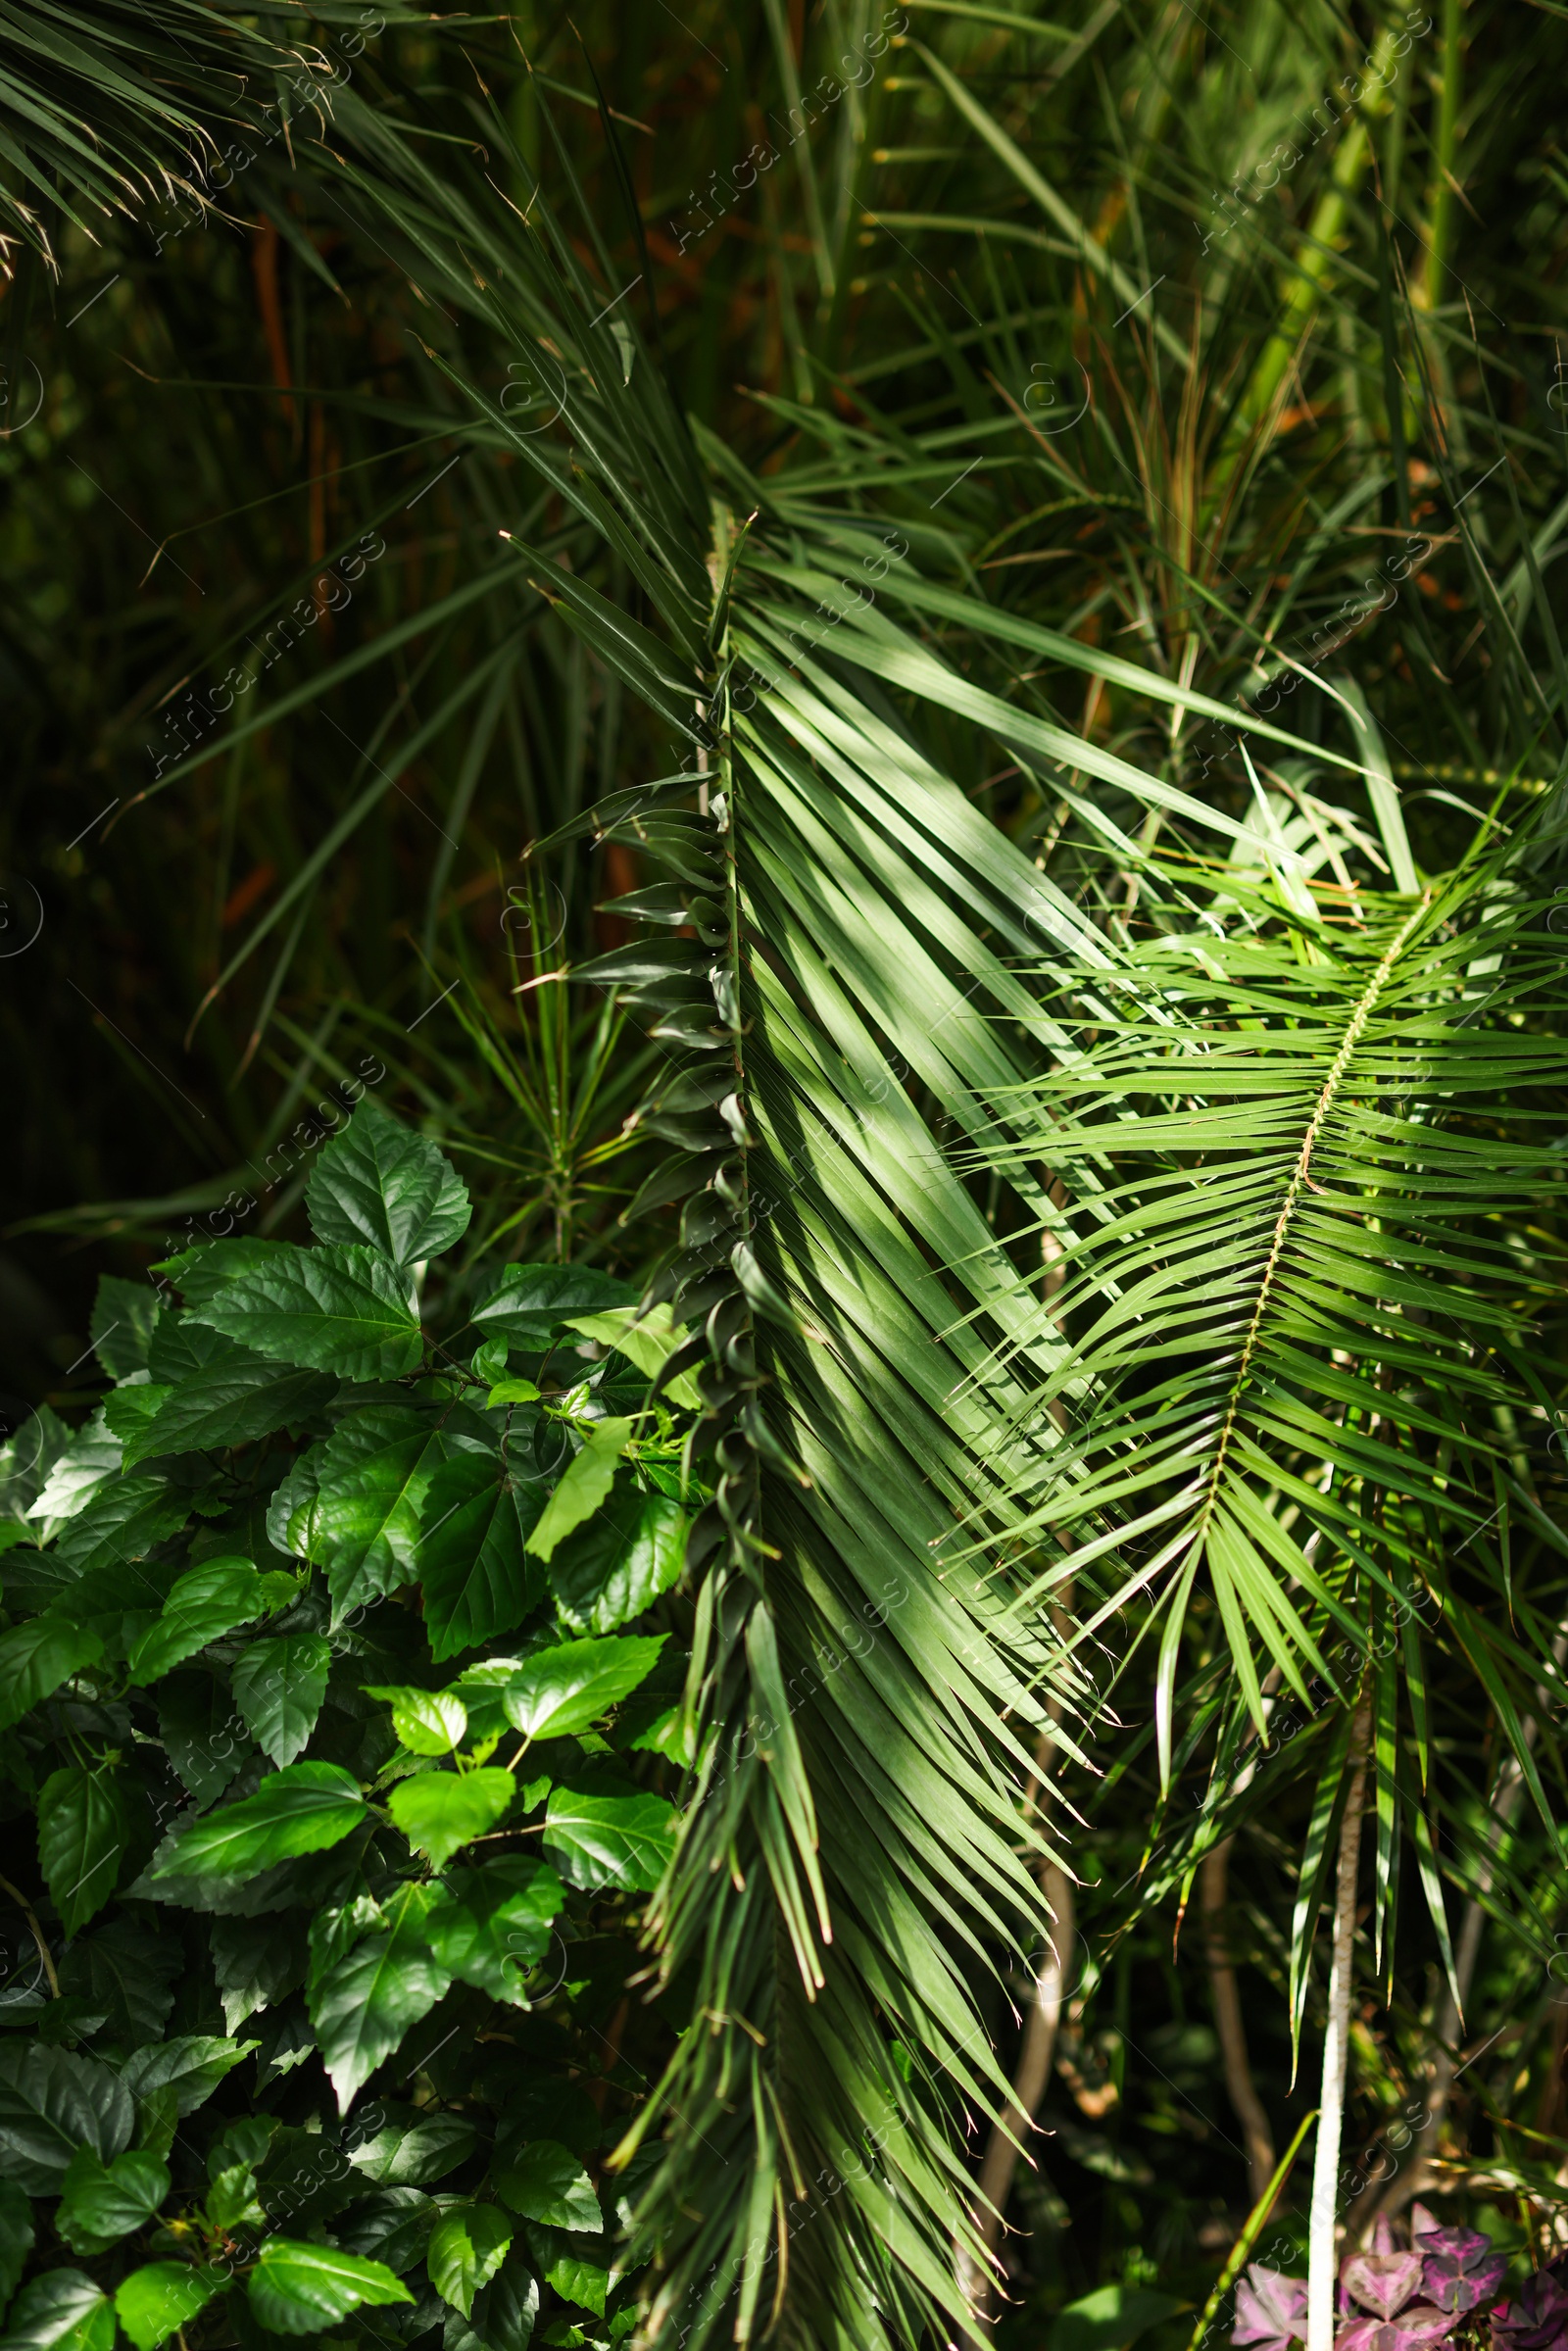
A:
(365, 2004)
(101, 2203)
(154, 2301)
(193, 2067)
(616, 1566)
(467, 2246)
(438, 1812)
(379, 1183)
(205, 1602)
(530, 1304)
(304, 1809)
(582, 1487)
(571, 1688)
(546, 2183)
(35, 1658)
(494, 1927)
(59, 2311)
(302, 2290)
(599, 1841)
(428, 1722)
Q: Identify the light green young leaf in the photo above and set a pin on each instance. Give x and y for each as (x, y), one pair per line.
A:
(546, 2183)
(279, 1688)
(583, 1486)
(153, 2302)
(340, 1309)
(428, 1722)
(648, 1340)
(438, 1812)
(467, 2246)
(380, 1184)
(300, 2289)
(569, 1687)
(303, 1809)
(100, 2203)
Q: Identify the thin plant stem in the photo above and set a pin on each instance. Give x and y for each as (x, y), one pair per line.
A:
(1213, 1884)
(1336, 2050)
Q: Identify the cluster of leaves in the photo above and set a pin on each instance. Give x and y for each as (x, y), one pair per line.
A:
(305, 1840)
(1403, 2299)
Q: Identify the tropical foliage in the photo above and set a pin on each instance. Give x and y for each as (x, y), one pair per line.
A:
(1035, 963)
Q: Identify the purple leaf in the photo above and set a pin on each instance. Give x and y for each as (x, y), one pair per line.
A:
(1538, 2319)
(1383, 2283)
(1270, 2309)
(1416, 2328)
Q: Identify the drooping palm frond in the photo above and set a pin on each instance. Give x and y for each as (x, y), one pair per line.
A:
(1305, 1143)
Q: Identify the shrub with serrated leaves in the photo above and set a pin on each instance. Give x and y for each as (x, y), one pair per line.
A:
(315, 2009)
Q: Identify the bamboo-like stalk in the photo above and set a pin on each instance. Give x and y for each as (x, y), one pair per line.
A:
(1336, 2050)
(1212, 1889)
(1429, 288)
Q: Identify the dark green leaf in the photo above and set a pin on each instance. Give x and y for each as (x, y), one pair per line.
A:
(35, 1658)
(205, 1602)
(61, 2310)
(344, 1310)
(617, 1565)
(505, 2313)
(467, 2248)
(362, 2005)
(569, 1687)
(279, 1688)
(52, 2102)
(477, 1578)
(438, 1812)
(100, 2203)
(193, 2067)
(547, 2183)
(303, 1809)
(204, 1734)
(125, 1973)
(234, 1399)
(379, 1183)
(16, 2237)
(495, 1927)
(530, 1304)
(415, 2149)
(302, 2290)
(576, 2269)
(599, 1841)
(121, 1523)
(371, 1481)
(83, 1830)
(392, 2228)
(123, 1318)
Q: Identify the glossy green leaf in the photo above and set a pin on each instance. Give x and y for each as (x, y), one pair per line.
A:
(53, 2101)
(339, 1310)
(122, 1324)
(582, 1486)
(477, 1577)
(647, 1339)
(428, 1722)
(155, 2301)
(368, 2000)
(545, 2183)
(85, 1826)
(100, 2203)
(439, 1812)
(298, 2288)
(279, 1688)
(530, 1304)
(59, 2311)
(467, 2246)
(495, 1924)
(121, 1523)
(234, 1398)
(370, 1485)
(16, 2237)
(191, 2066)
(599, 1841)
(610, 1570)
(36, 1657)
(303, 1809)
(414, 2149)
(573, 1687)
(203, 1604)
(380, 1184)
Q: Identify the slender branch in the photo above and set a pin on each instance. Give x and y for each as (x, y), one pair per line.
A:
(1336, 2049)
(1248, 2106)
(26, 1907)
